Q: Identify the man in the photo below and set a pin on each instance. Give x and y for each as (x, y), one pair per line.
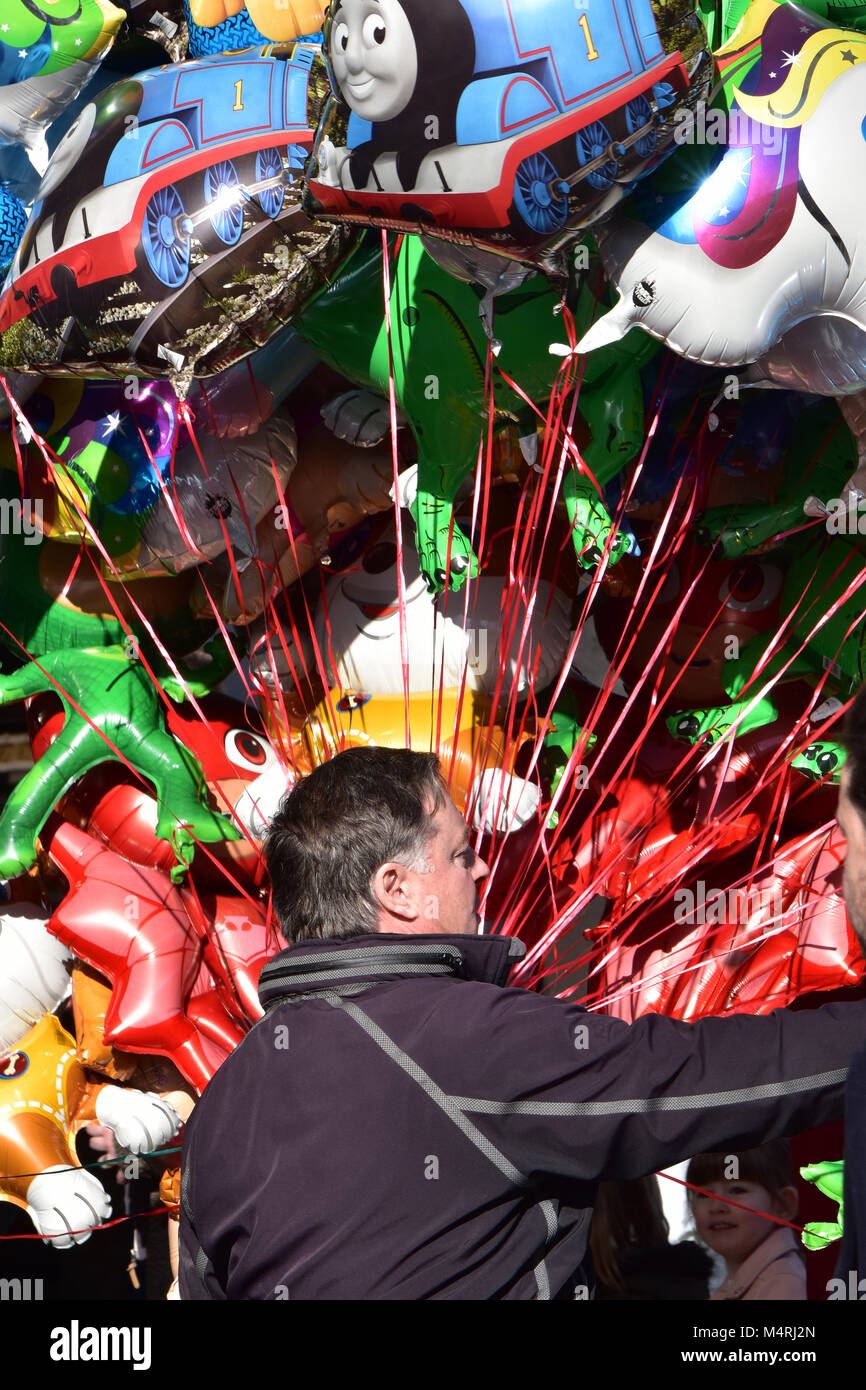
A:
(851, 815)
(400, 1125)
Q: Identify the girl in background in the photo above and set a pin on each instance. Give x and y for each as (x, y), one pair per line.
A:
(762, 1257)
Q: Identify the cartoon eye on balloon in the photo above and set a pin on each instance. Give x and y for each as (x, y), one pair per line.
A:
(249, 751)
(380, 558)
(751, 587)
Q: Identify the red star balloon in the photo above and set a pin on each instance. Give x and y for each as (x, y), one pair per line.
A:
(132, 924)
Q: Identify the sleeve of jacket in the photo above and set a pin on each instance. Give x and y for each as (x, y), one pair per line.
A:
(577, 1094)
(851, 1254)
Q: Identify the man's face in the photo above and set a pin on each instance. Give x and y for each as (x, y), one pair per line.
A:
(853, 827)
(446, 889)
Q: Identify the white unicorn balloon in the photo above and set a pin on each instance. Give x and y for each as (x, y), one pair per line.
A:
(766, 263)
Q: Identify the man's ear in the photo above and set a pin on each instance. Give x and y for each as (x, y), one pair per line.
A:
(394, 891)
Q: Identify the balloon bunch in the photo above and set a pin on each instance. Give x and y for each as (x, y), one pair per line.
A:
(325, 420)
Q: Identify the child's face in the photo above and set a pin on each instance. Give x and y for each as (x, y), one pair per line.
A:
(730, 1231)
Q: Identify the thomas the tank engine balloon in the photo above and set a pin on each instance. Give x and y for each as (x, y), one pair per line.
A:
(507, 122)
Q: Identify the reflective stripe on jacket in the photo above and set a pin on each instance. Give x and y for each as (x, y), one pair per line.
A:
(400, 1125)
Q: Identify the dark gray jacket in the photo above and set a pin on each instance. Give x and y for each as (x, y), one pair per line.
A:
(400, 1126)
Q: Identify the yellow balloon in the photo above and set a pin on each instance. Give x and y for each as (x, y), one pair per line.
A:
(43, 1089)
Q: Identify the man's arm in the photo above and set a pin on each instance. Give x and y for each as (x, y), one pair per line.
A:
(585, 1096)
(853, 1210)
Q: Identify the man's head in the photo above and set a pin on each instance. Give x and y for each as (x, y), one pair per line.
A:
(371, 841)
(851, 815)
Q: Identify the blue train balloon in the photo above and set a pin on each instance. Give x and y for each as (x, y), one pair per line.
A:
(510, 122)
(167, 234)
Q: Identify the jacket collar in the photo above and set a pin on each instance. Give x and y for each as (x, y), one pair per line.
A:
(360, 961)
(776, 1246)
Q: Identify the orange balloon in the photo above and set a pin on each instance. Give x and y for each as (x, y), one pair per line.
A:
(45, 1097)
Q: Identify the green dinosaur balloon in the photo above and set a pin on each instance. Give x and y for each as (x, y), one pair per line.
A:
(721, 17)
(817, 574)
(112, 713)
(826, 456)
(817, 579)
(111, 705)
(829, 1178)
(440, 350)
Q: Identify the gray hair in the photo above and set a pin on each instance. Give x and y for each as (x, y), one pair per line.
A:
(364, 808)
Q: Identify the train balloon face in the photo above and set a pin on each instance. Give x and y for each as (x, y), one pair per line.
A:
(509, 119)
(165, 179)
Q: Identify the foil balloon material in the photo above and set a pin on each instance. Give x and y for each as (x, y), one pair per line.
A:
(360, 621)
(13, 220)
(167, 231)
(748, 948)
(509, 123)
(729, 604)
(112, 712)
(48, 51)
(151, 954)
(55, 597)
(329, 493)
(34, 971)
(111, 803)
(147, 938)
(763, 264)
(829, 1178)
(437, 354)
(464, 672)
(46, 1096)
(218, 25)
(821, 611)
